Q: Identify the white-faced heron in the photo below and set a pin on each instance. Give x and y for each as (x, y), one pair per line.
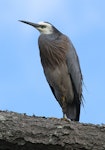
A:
(61, 67)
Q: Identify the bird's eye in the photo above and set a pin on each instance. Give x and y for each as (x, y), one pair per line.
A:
(43, 26)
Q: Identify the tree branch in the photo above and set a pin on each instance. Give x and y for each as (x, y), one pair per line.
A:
(22, 132)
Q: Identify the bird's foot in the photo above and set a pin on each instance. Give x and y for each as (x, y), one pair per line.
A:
(65, 118)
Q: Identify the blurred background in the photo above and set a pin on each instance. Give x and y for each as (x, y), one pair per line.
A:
(23, 87)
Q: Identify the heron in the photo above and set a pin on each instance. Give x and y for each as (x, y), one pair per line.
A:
(61, 67)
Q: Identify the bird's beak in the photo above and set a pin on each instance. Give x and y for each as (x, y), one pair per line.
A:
(30, 23)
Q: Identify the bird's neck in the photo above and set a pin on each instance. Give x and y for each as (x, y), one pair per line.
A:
(52, 54)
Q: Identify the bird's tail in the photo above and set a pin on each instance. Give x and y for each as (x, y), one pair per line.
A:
(73, 110)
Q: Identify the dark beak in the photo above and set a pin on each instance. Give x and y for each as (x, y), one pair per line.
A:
(30, 23)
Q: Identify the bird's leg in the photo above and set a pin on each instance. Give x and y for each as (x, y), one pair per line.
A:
(64, 109)
(63, 102)
(65, 118)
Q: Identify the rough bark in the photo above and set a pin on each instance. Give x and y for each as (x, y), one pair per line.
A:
(22, 132)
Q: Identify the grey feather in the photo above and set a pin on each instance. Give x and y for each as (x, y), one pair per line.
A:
(74, 69)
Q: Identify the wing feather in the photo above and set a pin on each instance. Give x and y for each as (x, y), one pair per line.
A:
(74, 69)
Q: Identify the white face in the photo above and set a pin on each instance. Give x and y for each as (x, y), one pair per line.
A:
(45, 28)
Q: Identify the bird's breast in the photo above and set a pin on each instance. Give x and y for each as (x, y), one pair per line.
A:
(52, 51)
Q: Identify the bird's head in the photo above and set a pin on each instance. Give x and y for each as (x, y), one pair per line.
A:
(43, 27)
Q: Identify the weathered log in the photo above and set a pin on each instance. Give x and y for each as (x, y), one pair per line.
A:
(22, 132)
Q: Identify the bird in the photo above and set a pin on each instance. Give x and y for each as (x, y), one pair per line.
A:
(61, 67)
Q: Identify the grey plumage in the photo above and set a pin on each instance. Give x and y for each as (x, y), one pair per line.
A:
(61, 67)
